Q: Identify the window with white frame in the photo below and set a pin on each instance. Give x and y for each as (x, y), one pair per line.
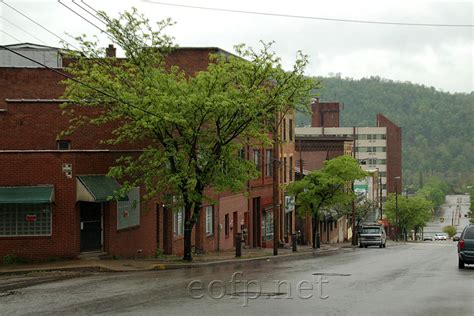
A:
(268, 163)
(25, 219)
(178, 222)
(256, 158)
(209, 220)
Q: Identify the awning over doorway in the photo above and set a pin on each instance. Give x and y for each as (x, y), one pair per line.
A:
(27, 195)
(96, 188)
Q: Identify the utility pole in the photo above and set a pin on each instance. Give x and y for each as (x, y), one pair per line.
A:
(380, 196)
(396, 206)
(276, 184)
(354, 240)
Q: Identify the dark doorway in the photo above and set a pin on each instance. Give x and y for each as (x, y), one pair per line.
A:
(91, 226)
(167, 231)
(236, 226)
(257, 222)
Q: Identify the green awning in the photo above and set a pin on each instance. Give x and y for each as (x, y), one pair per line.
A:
(27, 195)
(96, 188)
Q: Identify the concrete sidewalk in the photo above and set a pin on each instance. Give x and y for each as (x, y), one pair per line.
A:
(167, 262)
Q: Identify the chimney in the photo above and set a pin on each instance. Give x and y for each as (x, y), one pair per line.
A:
(110, 51)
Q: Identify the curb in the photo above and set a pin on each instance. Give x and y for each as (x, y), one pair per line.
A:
(308, 254)
(175, 266)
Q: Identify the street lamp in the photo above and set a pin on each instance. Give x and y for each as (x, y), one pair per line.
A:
(396, 204)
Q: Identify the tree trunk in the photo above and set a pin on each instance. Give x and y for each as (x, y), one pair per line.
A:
(314, 231)
(188, 229)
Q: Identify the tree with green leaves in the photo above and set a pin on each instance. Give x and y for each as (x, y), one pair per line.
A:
(321, 190)
(193, 125)
(413, 212)
(450, 230)
(434, 190)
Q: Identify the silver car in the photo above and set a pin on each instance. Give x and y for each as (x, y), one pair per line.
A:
(440, 236)
(372, 235)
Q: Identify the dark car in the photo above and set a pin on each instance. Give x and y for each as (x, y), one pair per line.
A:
(457, 237)
(466, 246)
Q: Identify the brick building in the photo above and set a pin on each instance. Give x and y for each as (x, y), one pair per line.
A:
(53, 193)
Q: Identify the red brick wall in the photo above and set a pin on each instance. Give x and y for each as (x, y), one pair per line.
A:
(228, 205)
(325, 114)
(21, 169)
(394, 153)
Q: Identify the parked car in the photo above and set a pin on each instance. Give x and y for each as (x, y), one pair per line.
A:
(372, 235)
(466, 246)
(427, 238)
(457, 237)
(440, 236)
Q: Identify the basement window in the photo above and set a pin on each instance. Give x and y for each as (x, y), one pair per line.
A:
(64, 144)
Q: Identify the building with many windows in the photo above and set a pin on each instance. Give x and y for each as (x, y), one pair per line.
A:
(376, 148)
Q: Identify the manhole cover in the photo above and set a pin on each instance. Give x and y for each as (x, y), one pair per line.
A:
(257, 294)
(332, 274)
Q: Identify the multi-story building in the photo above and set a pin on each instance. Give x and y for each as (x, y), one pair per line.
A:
(53, 193)
(376, 148)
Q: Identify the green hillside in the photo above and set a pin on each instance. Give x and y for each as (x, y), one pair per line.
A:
(438, 127)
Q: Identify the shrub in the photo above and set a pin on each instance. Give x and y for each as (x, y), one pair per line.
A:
(450, 230)
(14, 259)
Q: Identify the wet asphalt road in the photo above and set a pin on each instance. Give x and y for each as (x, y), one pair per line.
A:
(406, 279)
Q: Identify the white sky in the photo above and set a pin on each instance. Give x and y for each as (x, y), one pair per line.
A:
(433, 56)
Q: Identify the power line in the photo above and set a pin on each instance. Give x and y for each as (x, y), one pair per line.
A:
(85, 19)
(38, 24)
(307, 17)
(23, 30)
(16, 39)
(92, 14)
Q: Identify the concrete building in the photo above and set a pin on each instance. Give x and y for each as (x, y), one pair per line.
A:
(376, 148)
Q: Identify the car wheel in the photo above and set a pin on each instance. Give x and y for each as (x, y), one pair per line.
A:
(460, 263)
(365, 246)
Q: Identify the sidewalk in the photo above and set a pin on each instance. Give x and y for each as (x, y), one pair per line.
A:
(168, 262)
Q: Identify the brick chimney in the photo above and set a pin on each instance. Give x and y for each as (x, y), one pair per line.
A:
(110, 51)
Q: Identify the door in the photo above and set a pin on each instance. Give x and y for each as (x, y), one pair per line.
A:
(236, 226)
(91, 226)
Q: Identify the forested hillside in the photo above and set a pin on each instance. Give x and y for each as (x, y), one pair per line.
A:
(438, 127)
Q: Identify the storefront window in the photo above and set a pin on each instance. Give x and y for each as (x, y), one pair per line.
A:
(25, 219)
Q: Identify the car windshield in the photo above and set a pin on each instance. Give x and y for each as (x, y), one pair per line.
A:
(371, 230)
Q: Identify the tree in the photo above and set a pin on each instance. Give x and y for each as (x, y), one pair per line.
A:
(323, 189)
(434, 190)
(413, 212)
(450, 230)
(193, 126)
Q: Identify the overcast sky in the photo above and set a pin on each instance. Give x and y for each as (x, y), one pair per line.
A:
(434, 56)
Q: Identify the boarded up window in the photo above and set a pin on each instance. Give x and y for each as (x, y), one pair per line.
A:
(128, 212)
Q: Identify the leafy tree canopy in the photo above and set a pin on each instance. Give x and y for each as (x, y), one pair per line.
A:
(413, 212)
(328, 187)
